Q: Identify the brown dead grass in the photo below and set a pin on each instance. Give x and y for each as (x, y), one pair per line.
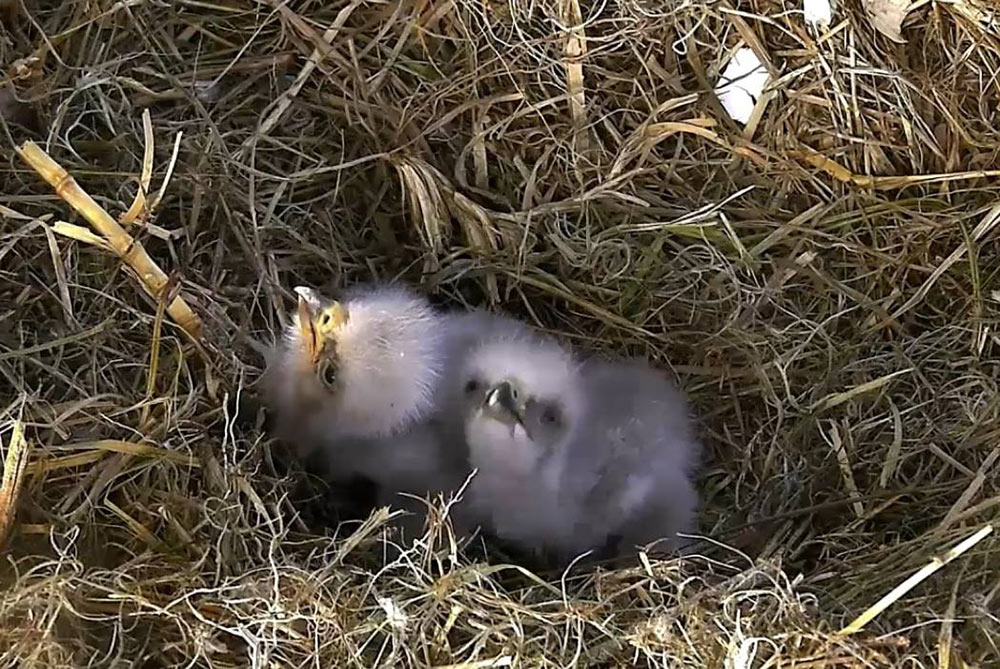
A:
(824, 282)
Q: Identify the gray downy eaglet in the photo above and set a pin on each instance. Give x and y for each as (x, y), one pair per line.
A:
(640, 446)
(570, 454)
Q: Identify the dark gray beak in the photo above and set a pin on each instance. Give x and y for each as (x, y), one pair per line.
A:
(502, 403)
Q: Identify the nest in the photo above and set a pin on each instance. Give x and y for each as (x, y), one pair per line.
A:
(822, 280)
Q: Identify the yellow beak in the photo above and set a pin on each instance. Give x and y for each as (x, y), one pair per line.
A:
(317, 325)
(307, 330)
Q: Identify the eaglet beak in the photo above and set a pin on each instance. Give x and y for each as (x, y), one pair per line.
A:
(317, 322)
(503, 404)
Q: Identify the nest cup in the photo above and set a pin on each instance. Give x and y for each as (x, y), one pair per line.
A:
(821, 279)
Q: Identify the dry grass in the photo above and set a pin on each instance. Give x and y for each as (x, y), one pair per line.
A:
(825, 283)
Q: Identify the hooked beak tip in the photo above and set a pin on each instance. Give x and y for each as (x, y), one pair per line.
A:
(309, 296)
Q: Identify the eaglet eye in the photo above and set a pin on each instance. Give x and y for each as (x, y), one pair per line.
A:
(327, 374)
(471, 386)
(550, 415)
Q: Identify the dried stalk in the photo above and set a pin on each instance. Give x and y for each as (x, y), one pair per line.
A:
(13, 474)
(151, 277)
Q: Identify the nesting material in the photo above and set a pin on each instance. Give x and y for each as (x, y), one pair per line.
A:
(887, 17)
(14, 467)
(152, 279)
(825, 273)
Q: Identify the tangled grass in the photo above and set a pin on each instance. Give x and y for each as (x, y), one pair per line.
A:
(823, 281)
